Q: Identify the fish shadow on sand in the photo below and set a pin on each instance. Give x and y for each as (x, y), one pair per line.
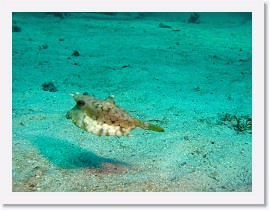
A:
(64, 154)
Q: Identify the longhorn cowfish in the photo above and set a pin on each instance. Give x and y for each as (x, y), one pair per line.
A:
(104, 117)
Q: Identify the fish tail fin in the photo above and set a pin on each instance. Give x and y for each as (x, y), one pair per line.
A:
(148, 126)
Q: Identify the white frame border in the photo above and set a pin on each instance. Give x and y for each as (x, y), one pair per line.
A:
(257, 9)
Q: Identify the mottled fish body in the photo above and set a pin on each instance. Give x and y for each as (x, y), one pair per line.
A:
(104, 118)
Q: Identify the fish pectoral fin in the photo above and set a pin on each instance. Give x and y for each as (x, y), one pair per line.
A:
(151, 127)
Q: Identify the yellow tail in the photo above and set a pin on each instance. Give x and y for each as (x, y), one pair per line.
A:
(148, 126)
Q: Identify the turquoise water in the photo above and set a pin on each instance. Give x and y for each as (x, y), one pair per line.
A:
(189, 73)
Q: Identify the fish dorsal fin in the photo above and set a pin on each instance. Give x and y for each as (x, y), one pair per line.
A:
(110, 99)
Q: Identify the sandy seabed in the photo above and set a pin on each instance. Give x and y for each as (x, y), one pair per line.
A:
(194, 80)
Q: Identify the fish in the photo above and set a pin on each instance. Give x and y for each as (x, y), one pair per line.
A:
(104, 117)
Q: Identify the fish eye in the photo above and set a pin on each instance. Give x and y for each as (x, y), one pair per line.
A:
(80, 103)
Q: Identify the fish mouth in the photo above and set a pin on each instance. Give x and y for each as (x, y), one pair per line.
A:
(77, 117)
(68, 115)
